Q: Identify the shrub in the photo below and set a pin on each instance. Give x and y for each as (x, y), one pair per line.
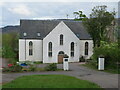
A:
(32, 68)
(25, 69)
(82, 59)
(110, 52)
(51, 67)
(17, 68)
(5, 69)
(14, 68)
(38, 62)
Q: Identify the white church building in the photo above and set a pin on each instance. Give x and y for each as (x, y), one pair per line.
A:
(49, 40)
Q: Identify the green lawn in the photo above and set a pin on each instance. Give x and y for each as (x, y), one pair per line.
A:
(49, 81)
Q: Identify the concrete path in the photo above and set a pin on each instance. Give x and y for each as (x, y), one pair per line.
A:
(103, 79)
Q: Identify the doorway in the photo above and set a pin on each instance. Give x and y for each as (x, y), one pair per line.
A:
(60, 56)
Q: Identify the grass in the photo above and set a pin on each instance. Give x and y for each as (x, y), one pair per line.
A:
(0, 86)
(113, 71)
(36, 70)
(49, 81)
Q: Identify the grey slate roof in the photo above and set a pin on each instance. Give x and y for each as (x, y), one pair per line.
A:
(44, 27)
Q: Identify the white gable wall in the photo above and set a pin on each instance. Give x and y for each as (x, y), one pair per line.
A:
(54, 37)
(37, 50)
(21, 49)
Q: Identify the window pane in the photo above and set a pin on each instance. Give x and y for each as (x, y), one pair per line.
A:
(72, 46)
(61, 42)
(86, 48)
(86, 51)
(50, 46)
(61, 39)
(30, 48)
(30, 52)
(50, 54)
(72, 54)
(72, 49)
(50, 49)
(30, 43)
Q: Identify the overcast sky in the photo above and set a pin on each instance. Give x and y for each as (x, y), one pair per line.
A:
(12, 12)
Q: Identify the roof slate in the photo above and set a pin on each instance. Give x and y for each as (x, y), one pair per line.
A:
(44, 27)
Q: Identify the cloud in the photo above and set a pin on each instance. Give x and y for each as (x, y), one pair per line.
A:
(21, 9)
(12, 12)
(45, 18)
(60, 0)
(2, 3)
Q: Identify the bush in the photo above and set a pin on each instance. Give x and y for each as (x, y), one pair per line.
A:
(32, 68)
(51, 67)
(38, 62)
(14, 68)
(110, 52)
(5, 69)
(82, 59)
(17, 68)
(25, 69)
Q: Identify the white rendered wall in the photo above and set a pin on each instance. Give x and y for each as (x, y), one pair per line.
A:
(54, 37)
(21, 50)
(37, 50)
(90, 48)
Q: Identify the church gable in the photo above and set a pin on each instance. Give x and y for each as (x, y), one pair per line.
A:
(61, 29)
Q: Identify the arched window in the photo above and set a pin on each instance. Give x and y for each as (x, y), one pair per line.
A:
(30, 48)
(86, 48)
(61, 39)
(72, 49)
(50, 49)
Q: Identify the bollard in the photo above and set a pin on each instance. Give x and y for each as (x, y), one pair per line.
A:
(101, 63)
(65, 63)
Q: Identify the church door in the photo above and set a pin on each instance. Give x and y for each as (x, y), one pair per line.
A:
(60, 56)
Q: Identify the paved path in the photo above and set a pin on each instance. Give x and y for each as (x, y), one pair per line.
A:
(103, 79)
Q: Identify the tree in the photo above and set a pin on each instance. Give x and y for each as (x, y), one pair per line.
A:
(9, 45)
(96, 25)
(79, 15)
(118, 37)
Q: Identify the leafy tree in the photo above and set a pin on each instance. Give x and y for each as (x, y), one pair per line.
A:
(9, 45)
(96, 25)
(79, 15)
(118, 37)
